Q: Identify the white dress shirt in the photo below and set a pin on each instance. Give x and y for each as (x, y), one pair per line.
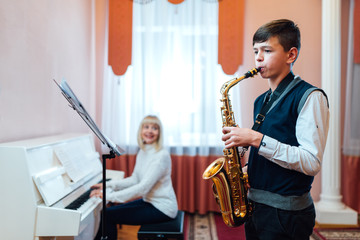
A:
(311, 132)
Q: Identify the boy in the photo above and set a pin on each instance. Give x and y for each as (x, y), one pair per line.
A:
(288, 145)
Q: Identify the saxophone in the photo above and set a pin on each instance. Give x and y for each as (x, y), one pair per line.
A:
(230, 184)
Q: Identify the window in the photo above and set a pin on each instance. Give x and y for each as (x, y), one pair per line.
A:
(174, 75)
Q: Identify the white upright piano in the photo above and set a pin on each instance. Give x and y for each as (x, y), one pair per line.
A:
(45, 188)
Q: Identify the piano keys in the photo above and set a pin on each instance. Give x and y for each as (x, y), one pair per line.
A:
(46, 185)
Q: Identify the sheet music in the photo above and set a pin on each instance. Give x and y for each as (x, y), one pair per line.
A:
(79, 108)
(74, 160)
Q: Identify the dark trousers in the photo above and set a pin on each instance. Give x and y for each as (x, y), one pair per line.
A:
(267, 223)
(137, 212)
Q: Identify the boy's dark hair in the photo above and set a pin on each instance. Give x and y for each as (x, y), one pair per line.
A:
(286, 30)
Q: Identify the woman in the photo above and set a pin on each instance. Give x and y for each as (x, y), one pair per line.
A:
(150, 184)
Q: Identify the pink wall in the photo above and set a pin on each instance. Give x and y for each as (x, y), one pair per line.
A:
(41, 41)
(101, 56)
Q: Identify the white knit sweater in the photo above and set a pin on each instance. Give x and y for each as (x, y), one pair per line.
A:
(151, 180)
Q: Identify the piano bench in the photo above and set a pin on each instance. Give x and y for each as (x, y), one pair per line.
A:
(172, 229)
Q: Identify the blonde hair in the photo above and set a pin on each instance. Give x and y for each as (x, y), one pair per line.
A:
(155, 120)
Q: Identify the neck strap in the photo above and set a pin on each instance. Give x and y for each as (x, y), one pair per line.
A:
(270, 98)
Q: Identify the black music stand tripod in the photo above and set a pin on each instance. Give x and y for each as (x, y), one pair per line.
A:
(103, 213)
(115, 150)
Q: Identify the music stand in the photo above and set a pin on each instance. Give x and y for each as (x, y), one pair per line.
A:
(115, 150)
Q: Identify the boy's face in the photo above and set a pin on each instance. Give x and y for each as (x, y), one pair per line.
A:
(272, 58)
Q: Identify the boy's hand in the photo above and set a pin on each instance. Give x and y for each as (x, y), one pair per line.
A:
(240, 137)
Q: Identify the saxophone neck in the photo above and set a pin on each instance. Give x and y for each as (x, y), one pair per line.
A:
(229, 84)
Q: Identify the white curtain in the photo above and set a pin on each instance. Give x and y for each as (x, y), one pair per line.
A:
(352, 114)
(174, 74)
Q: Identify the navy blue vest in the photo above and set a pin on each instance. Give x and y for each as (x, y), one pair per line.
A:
(279, 124)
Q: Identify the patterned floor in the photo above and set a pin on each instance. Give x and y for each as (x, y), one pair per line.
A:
(336, 234)
(211, 227)
(201, 227)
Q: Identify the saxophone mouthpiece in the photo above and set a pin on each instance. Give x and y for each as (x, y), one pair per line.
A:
(252, 72)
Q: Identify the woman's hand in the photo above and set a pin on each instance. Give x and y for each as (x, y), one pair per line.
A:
(97, 186)
(96, 193)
